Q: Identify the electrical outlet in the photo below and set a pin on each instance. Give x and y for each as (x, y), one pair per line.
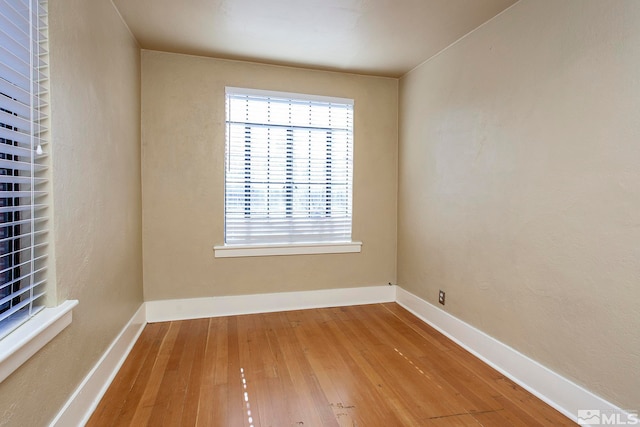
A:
(441, 297)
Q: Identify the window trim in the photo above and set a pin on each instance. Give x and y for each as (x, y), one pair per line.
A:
(25, 123)
(26, 340)
(27, 330)
(228, 250)
(236, 251)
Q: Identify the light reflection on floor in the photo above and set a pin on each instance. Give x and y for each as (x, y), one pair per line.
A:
(246, 398)
(414, 365)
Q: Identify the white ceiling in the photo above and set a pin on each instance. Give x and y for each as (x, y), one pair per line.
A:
(377, 37)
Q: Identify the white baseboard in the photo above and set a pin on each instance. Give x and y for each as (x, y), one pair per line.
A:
(182, 309)
(555, 390)
(83, 401)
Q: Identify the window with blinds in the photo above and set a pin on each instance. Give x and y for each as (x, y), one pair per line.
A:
(23, 121)
(289, 168)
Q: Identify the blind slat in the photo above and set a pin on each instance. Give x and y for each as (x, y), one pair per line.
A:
(21, 194)
(14, 92)
(24, 180)
(20, 252)
(20, 137)
(14, 76)
(23, 208)
(28, 275)
(35, 259)
(14, 54)
(23, 222)
(14, 120)
(15, 150)
(21, 166)
(20, 22)
(24, 304)
(16, 107)
(28, 234)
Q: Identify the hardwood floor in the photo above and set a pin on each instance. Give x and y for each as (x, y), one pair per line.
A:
(373, 365)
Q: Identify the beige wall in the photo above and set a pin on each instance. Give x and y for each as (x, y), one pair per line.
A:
(519, 186)
(95, 89)
(183, 180)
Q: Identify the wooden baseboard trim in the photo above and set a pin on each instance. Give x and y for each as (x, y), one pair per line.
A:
(83, 401)
(552, 388)
(183, 309)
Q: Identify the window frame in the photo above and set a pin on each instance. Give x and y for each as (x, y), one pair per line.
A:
(25, 87)
(23, 177)
(279, 247)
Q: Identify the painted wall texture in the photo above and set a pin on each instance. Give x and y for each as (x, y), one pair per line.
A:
(519, 186)
(183, 145)
(95, 98)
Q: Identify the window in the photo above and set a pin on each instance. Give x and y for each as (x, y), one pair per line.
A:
(288, 169)
(23, 220)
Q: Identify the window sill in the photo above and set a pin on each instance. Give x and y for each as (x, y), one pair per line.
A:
(233, 251)
(17, 347)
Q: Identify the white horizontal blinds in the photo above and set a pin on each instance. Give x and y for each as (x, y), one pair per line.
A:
(289, 168)
(23, 129)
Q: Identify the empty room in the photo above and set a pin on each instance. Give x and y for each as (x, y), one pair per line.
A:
(319, 213)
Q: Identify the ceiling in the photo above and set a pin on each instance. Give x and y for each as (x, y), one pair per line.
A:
(376, 37)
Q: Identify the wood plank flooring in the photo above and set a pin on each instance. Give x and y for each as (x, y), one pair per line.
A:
(373, 365)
